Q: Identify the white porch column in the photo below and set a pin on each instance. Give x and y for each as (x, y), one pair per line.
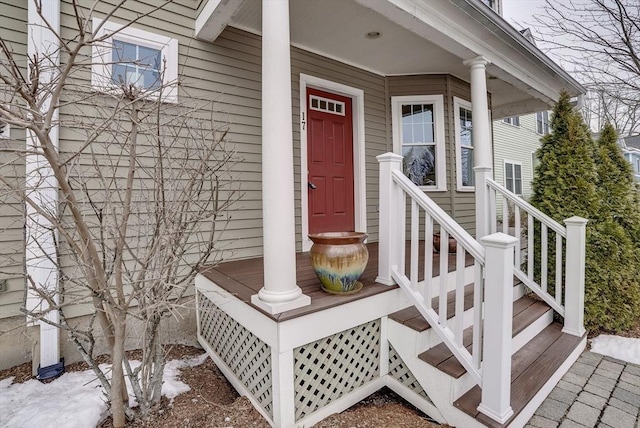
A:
(280, 292)
(574, 286)
(42, 187)
(483, 156)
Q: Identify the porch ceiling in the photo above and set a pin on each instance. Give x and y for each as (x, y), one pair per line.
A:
(419, 37)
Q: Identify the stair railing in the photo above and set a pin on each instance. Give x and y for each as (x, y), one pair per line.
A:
(560, 285)
(492, 281)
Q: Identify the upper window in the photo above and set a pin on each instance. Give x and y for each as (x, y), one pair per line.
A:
(513, 177)
(542, 122)
(418, 135)
(464, 144)
(513, 120)
(132, 56)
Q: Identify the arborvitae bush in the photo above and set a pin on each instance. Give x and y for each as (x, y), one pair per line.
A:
(577, 177)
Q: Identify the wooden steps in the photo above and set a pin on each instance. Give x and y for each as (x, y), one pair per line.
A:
(412, 318)
(525, 312)
(531, 367)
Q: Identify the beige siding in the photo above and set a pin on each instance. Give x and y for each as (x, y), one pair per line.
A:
(375, 123)
(460, 205)
(13, 28)
(515, 144)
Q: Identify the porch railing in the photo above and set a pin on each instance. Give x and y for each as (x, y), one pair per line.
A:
(492, 283)
(555, 255)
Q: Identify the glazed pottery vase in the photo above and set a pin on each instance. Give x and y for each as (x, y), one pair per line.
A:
(339, 258)
(453, 245)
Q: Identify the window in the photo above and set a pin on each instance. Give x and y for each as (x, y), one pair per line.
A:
(542, 122)
(513, 177)
(514, 120)
(464, 144)
(534, 161)
(418, 135)
(137, 57)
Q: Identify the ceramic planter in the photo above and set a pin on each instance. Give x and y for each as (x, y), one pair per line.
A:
(453, 245)
(339, 258)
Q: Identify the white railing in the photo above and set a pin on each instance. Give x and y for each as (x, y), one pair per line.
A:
(492, 281)
(560, 285)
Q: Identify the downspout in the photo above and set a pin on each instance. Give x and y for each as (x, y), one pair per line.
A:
(42, 187)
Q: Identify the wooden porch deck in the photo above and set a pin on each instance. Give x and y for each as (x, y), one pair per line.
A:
(244, 278)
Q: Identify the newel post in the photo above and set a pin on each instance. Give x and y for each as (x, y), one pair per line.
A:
(575, 269)
(498, 316)
(388, 245)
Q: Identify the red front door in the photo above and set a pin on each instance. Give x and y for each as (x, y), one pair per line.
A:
(330, 162)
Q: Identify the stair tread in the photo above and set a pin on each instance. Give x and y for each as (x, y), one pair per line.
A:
(525, 311)
(412, 318)
(531, 368)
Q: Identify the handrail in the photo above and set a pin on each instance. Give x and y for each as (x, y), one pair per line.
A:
(463, 237)
(452, 337)
(528, 278)
(517, 200)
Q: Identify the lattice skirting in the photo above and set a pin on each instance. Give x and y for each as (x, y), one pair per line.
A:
(248, 357)
(400, 372)
(328, 368)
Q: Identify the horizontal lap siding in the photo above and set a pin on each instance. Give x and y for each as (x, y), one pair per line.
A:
(13, 29)
(375, 128)
(516, 144)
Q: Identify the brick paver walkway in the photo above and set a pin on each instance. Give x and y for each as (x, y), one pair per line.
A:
(596, 392)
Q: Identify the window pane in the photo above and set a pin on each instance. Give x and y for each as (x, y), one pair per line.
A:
(150, 79)
(417, 124)
(466, 163)
(466, 137)
(508, 176)
(517, 174)
(123, 51)
(419, 164)
(149, 57)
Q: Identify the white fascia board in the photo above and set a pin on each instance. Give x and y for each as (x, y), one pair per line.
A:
(214, 18)
(441, 25)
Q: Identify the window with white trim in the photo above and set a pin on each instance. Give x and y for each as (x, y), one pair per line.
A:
(513, 120)
(418, 136)
(464, 144)
(542, 122)
(513, 177)
(137, 57)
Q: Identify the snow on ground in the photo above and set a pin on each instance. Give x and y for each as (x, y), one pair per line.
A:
(74, 400)
(622, 348)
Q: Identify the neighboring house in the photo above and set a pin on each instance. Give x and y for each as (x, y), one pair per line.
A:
(329, 102)
(631, 151)
(515, 142)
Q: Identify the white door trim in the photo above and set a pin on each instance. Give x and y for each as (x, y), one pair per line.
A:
(359, 171)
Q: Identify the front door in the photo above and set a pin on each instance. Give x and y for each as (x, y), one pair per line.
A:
(330, 162)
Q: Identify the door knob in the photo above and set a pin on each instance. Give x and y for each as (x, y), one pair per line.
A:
(311, 185)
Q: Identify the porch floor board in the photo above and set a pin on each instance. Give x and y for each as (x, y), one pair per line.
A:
(244, 278)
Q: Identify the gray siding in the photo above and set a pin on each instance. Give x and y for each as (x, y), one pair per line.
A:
(515, 144)
(13, 28)
(460, 205)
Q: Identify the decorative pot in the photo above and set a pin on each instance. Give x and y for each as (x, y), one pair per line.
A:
(453, 245)
(339, 258)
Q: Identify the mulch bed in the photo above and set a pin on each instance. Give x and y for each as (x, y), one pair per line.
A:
(212, 402)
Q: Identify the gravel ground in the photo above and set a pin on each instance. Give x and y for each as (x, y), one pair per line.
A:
(212, 402)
